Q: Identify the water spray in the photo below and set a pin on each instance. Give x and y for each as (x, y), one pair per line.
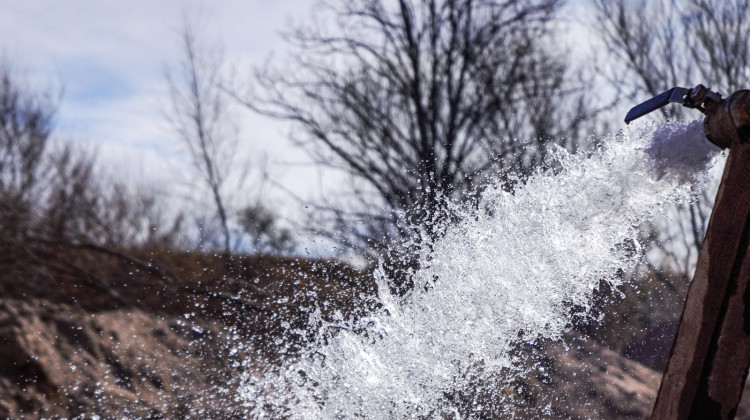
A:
(710, 357)
(503, 279)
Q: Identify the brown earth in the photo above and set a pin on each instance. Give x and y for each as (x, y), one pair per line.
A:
(86, 332)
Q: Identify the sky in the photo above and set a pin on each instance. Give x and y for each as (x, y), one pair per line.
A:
(108, 58)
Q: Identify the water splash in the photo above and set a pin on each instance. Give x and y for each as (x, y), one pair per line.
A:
(502, 276)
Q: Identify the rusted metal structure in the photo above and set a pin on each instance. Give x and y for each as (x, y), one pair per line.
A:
(710, 357)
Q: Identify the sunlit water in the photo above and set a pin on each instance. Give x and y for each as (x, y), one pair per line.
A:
(499, 277)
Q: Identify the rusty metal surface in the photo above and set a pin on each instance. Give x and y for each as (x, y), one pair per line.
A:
(739, 110)
(710, 357)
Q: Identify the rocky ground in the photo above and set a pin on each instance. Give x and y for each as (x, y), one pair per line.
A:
(87, 333)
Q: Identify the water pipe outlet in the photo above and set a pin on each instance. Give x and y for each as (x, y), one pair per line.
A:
(727, 120)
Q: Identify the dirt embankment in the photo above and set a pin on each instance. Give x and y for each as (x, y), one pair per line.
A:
(86, 333)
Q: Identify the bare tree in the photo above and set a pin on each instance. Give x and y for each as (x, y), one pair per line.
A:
(26, 120)
(68, 211)
(82, 204)
(655, 45)
(719, 41)
(266, 237)
(198, 112)
(51, 191)
(418, 100)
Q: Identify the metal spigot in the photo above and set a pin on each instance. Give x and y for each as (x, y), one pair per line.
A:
(727, 120)
(697, 97)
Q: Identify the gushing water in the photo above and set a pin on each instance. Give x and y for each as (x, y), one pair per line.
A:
(504, 275)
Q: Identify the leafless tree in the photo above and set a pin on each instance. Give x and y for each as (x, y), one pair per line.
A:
(85, 205)
(418, 100)
(67, 211)
(655, 45)
(26, 120)
(265, 236)
(198, 112)
(51, 191)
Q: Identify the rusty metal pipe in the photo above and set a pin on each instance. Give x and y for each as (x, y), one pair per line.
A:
(710, 357)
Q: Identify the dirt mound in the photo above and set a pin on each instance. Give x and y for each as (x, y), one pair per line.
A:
(62, 361)
(88, 333)
(584, 380)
